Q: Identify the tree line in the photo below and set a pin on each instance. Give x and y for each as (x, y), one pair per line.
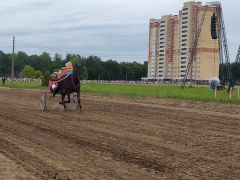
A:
(93, 67)
(234, 72)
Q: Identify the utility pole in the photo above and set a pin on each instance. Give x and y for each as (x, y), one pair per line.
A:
(126, 77)
(13, 49)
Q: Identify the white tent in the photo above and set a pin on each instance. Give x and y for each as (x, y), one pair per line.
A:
(214, 79)
(214, 82)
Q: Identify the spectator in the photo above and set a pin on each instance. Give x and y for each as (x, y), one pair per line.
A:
(3, 80)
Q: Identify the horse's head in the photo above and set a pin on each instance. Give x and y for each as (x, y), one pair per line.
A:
(77, 71)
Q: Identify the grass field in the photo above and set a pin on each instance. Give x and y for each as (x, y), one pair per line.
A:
(28, 85)
(196, 93)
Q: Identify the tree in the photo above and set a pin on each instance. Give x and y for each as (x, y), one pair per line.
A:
(45, 62)
(28, 72)
(5, 64)
(21, 60)
(113, 70)
(57, 63)
(235, 71)
(84, 73)
(75, 59)
(93, 67)
(37, 74)
(46, 78)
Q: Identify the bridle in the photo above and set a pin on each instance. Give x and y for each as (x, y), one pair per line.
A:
(78, 85)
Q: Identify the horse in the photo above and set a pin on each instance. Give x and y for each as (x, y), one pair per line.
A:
(70, 85)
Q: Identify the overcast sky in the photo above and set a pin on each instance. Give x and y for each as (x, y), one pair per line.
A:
(116, 29)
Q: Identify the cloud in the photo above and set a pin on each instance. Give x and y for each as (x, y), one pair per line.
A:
(105, 27)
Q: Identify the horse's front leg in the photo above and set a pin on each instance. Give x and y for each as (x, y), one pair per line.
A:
(63, 102)
(69, 99)
(63, 97)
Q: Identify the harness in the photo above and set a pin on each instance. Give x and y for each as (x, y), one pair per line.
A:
(56, 82)
(67, 75)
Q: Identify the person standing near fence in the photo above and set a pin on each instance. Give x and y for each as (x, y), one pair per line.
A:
(3, 80)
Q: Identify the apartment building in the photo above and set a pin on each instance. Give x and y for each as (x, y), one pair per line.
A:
(170, 43)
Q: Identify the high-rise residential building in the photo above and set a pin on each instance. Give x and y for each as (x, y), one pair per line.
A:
(171, 40)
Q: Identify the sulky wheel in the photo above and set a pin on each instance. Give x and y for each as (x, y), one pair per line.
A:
(43, 102)
(75, 102)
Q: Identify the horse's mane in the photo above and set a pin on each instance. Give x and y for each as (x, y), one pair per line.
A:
(77, 71)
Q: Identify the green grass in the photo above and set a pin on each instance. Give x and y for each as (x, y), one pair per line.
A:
(27, 85)
(196, 93)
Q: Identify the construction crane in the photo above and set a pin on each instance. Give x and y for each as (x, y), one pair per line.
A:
(220, 34)
(223, 45)
(193, 52)
(238, 56)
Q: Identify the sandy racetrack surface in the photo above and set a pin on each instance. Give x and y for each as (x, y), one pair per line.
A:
(117, 138)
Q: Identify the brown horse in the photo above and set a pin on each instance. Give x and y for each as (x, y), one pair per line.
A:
(70, 85)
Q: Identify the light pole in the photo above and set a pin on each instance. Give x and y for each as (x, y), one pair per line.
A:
(13, 49)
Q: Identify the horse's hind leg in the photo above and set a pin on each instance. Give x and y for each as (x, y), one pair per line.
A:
(79, 100)
(69, 98)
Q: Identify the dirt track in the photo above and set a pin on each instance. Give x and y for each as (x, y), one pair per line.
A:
(115, 138)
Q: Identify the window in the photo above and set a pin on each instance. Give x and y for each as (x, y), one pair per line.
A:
(186, 13)
(184, 22)
(184, 27)
(184, 31)
(185, 35)
(185, 9)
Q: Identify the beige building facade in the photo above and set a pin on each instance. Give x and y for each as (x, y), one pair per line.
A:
(171, 40)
